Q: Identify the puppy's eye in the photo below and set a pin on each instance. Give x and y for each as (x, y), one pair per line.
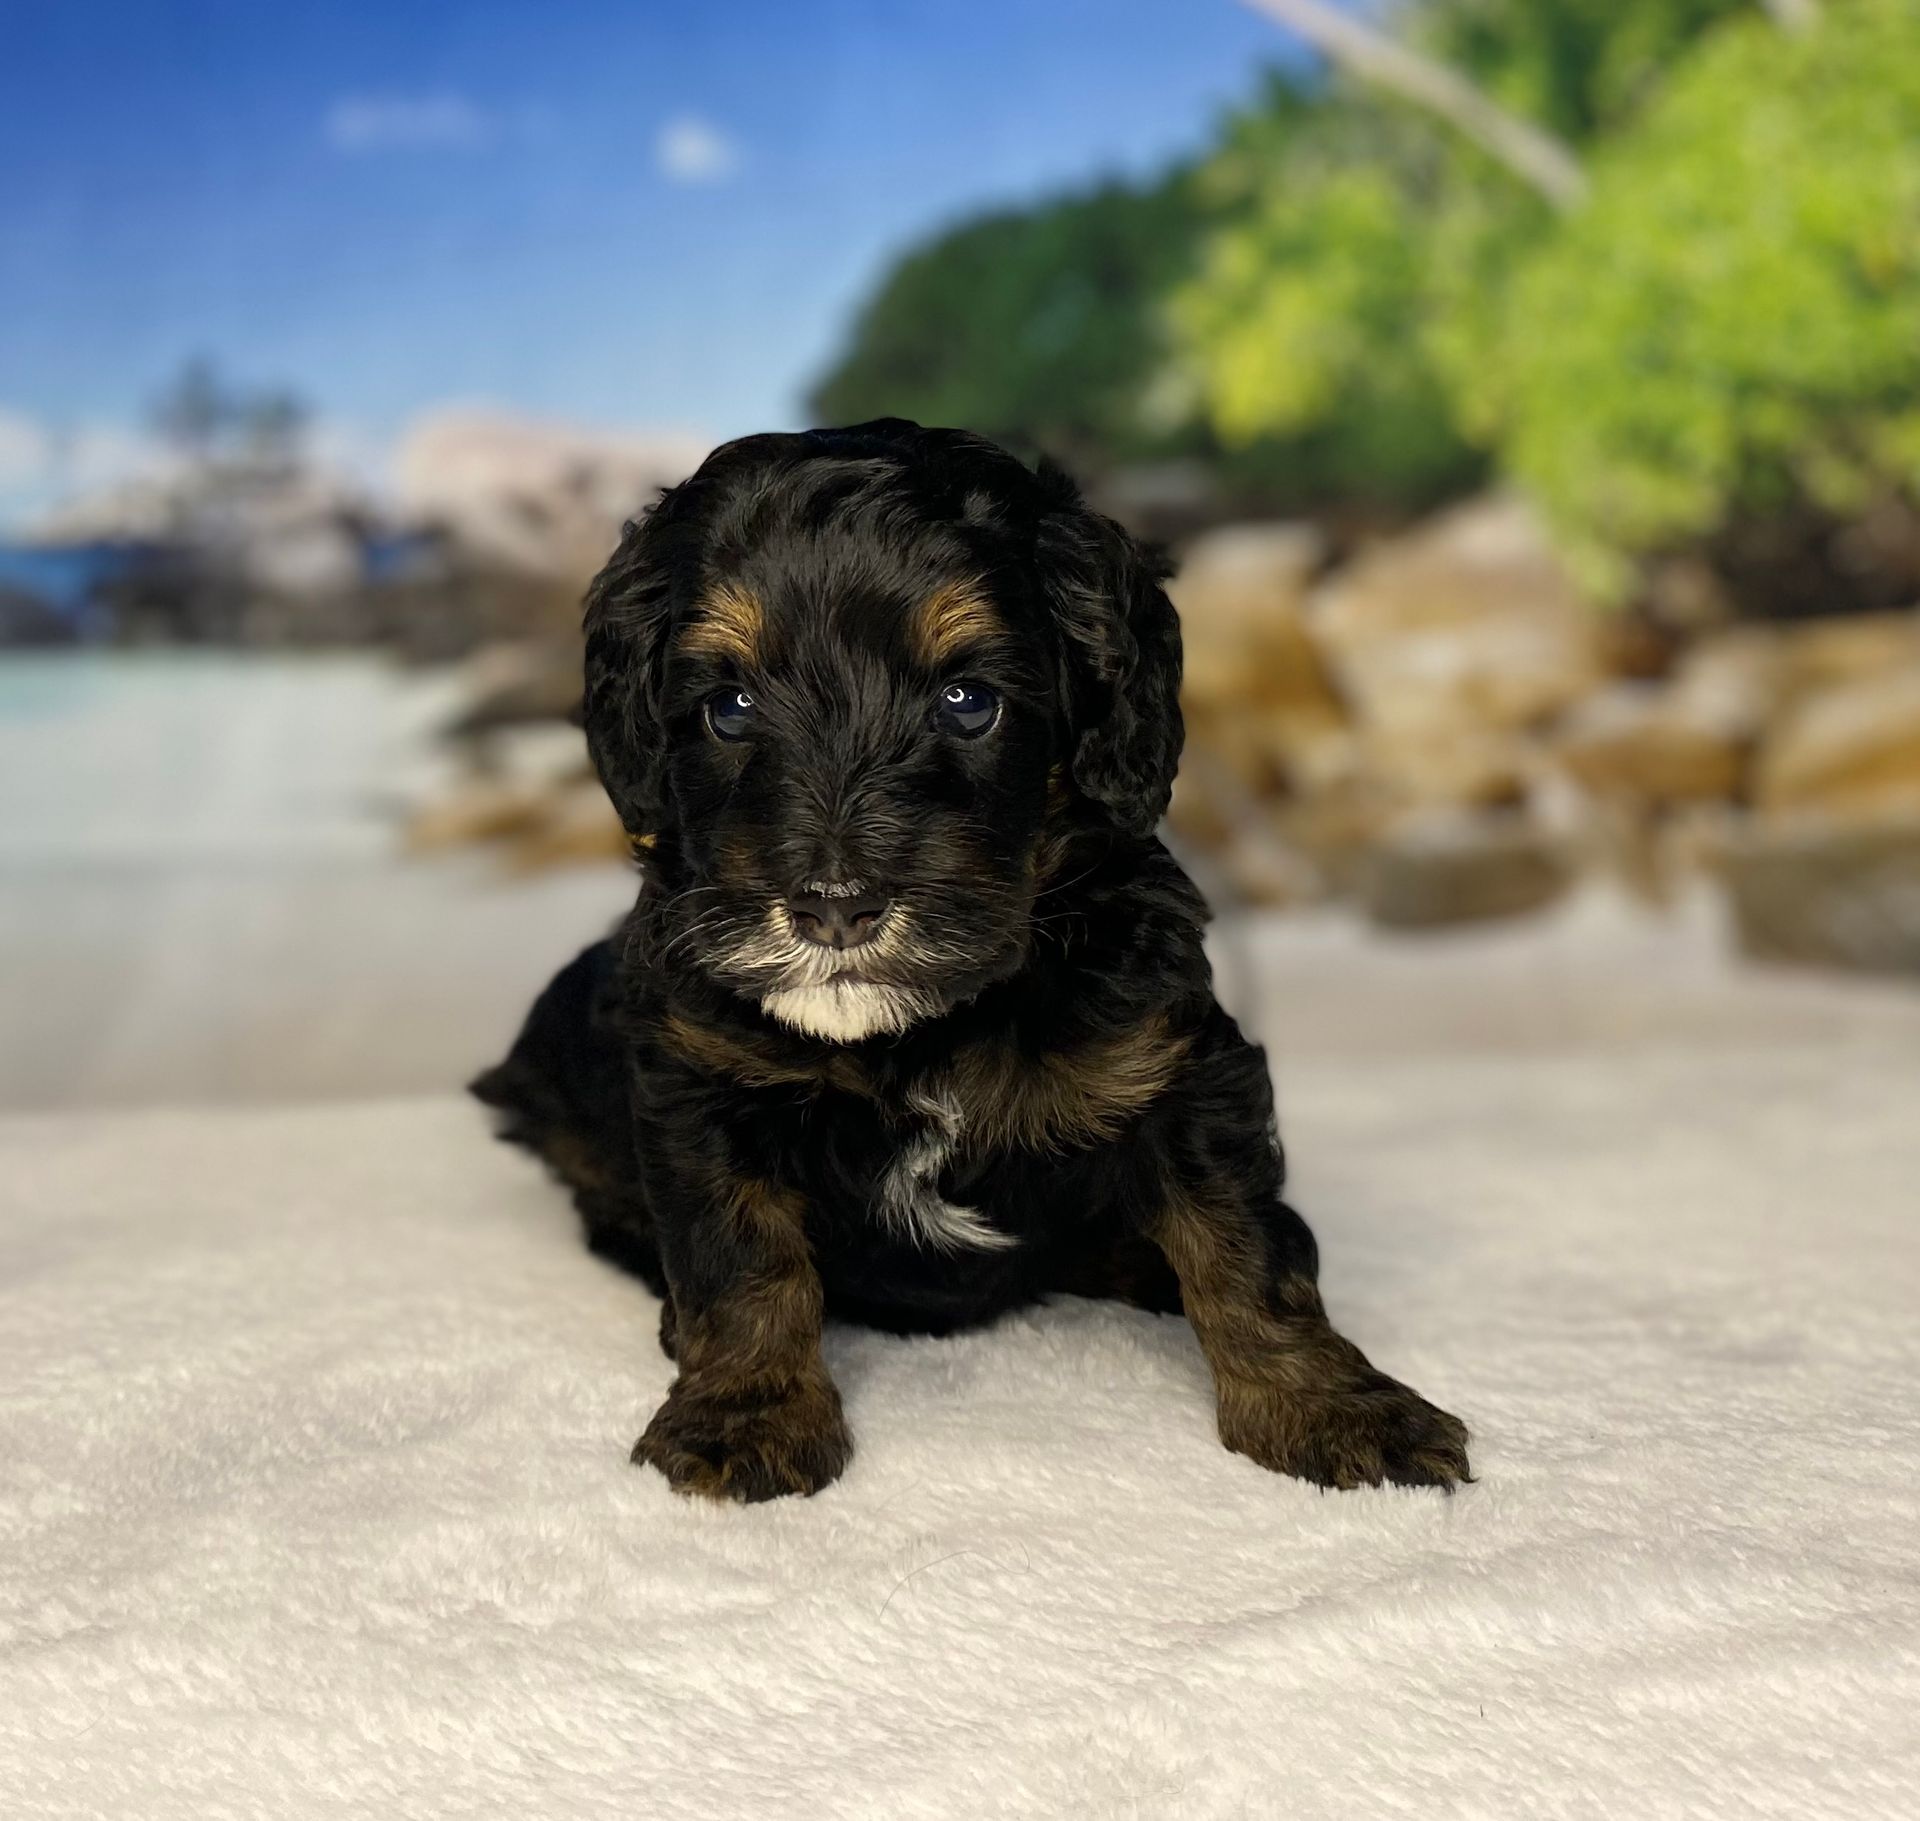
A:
(730, 713)
(968, 709)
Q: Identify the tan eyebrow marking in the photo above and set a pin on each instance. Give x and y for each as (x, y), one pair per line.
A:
(955, 615)
(730, 625)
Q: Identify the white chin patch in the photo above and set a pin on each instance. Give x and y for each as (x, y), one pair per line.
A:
(844, 1011)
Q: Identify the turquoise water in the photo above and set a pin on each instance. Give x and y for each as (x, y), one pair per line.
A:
(36, 684)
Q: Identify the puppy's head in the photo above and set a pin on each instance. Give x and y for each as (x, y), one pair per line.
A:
(857, 689)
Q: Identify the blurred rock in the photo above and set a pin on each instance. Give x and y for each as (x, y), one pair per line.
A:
(526, 781)
(1447, 767)
(1256, 695)
(1850, 751)
(1240, 591)
(1631, 645)
(1734, 681)
(1820, 653)
(1653, 747)
(1685, 594)
(576, 827)
(1259, 755)
(511, 685)
(1836, 896)
(1336, 828)
(1658, 856)
(495, 528)
(534, 825)
(539, 498)
(1440, 871)
(1259, 871)
(1201, 816)
(1233, 833)
(546, 754)
(1468, 620)
(490, 809)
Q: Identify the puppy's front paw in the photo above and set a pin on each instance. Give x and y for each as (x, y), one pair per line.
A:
(748, 1447)
(1359, 1435)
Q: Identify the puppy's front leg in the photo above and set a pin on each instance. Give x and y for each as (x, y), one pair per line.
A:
(753, 1413)
(1291, 1392)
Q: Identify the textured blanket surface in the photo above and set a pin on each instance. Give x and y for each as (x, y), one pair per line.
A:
(314, 1497)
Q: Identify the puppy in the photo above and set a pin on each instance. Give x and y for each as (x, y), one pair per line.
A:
(911, 1024)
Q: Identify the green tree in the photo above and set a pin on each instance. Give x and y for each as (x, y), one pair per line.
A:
(208, 420)
(1345, 306)
(195, 409)
(1041, 326)
(1578, 67)
(1726, 341)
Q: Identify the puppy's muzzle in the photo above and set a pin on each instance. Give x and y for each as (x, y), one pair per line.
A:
(836, 917)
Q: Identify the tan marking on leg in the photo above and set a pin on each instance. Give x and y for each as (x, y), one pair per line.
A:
(754, 1413)
(1290, 1392)
(767, 1331)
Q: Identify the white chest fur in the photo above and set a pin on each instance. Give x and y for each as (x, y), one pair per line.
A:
(909, 1202)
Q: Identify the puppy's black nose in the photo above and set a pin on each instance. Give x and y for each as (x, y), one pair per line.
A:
(837, 917)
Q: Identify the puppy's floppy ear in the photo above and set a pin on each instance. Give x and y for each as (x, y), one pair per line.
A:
(628, 613)
(1122, 642)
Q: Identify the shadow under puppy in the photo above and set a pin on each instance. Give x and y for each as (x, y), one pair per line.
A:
(911, 1024)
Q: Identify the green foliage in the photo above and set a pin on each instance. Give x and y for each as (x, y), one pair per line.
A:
(1352, 236)
(1345, 301)
(1731, 329)
(1347, 304)
(1039, 326)
(1303, 324)
(1577, 67)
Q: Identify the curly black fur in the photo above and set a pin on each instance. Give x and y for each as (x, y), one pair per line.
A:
(1022, 1085)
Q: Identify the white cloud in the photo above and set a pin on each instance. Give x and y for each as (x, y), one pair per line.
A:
(394, 123)
(94, 457)
(43, 466)
(25, 452)
(691, 150)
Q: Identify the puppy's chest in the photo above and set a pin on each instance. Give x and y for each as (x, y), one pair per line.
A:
(921, 1170)
(913, 1196)
(972, 1152)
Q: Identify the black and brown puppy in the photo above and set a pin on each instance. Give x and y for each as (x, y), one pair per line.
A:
(911, 1024)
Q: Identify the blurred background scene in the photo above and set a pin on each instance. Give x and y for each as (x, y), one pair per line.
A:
(1530, 390)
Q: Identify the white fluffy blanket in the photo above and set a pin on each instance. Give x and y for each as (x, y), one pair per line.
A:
(314, 1497)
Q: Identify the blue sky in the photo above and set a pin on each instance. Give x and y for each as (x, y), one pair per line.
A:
(639, 214)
